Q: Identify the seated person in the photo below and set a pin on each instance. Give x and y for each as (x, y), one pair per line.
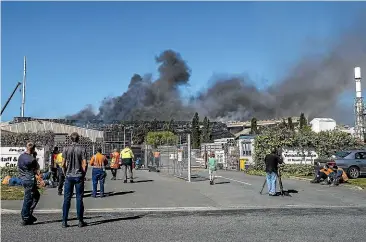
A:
(43, 179)
(337, 176)
(321, 174)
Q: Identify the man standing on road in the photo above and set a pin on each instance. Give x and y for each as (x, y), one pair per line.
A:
(272, 161)
(114, 163)
(157, 159)
(74, 168)
(53, 164)
(98, 162)
(27, 167)
(61, 175)
(127, 157)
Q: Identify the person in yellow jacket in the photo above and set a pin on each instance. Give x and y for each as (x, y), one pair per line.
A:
(61, 175)
(127, 159)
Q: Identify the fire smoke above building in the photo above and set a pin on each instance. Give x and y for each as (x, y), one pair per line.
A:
(312, 86)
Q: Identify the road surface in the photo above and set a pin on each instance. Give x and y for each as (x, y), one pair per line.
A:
(285, 225)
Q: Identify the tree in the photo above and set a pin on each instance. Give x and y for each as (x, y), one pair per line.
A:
(206, 131)
(161, 138)
(290, 124)
(303, 121)
(196, 142)
(154, 125)
(253, 126)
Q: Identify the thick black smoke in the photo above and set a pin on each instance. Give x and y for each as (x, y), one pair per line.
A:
(313, 86)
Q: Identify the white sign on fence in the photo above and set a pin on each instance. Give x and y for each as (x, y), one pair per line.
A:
(9, 156)
(173, 156)
(299, 157)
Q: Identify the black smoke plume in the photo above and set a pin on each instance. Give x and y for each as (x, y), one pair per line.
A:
(312, 86)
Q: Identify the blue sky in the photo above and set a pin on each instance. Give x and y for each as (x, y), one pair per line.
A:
(80, 52)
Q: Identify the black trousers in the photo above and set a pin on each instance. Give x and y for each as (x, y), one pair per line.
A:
(61, 179)
(54, 174)
(114, 172)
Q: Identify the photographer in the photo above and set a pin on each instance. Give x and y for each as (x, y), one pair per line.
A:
(272, 161)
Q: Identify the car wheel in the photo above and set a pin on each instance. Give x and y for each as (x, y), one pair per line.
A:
(353, 172)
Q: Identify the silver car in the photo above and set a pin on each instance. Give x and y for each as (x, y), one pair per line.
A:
(351, 161)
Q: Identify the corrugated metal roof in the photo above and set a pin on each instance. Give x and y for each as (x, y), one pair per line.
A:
(35, 126)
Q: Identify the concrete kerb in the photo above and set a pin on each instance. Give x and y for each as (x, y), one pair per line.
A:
(187, 210)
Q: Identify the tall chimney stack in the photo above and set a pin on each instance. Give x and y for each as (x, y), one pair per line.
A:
(23, 89)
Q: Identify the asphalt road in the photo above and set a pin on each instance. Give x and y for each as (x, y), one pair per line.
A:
(285, 225)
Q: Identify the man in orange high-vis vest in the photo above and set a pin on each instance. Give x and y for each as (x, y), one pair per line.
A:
(115, 161)
(157, 159)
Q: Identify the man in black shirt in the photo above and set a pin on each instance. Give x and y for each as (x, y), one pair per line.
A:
(27, 167)
(74, 168)
(272, 161)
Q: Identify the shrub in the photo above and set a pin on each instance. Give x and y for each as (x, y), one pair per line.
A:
(324, 143)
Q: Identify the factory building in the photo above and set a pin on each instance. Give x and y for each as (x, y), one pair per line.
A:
(323, 124)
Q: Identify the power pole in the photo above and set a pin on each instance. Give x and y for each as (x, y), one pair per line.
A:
(189, 157)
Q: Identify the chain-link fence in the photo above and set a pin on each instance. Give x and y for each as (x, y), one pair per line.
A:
(175, 160)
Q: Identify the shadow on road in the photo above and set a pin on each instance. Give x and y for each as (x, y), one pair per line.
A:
(60, 220)
(111, 220)
(223, 182)
(141, 181)
(110, 194)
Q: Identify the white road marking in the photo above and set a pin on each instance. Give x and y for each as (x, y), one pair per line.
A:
(234, 180)
(182, 209)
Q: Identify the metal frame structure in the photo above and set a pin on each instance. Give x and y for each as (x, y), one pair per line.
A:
(359, 106)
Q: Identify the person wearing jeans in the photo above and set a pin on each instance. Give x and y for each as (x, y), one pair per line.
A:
(272, 161)
(70, 183)
(27, 167)
(271, 182)
(98, 162)
(74, 167)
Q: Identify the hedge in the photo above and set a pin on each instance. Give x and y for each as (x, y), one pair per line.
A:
(324, 143)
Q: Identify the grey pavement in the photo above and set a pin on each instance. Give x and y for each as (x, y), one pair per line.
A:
(232, 189)
(285, 225)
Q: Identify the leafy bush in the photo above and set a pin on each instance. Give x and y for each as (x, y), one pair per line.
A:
(286, 170)
(9, 171)
(324, 143)
(161, 138)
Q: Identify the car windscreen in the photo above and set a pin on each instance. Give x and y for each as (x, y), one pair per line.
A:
(342, 154)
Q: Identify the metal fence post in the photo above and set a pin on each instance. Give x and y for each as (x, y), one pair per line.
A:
(189, 157)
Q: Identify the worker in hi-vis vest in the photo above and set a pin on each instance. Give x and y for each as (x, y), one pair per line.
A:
(60, 172)
(157, 159)
(115, 163)
(127, 159)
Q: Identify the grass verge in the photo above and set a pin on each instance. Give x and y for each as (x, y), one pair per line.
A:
(13, 192)
(361, 182)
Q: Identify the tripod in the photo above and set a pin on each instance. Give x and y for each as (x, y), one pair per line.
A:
(282, 192)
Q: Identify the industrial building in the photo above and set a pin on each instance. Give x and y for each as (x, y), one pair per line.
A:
(323, 124)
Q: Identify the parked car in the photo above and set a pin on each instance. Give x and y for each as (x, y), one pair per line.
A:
(351, 161)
